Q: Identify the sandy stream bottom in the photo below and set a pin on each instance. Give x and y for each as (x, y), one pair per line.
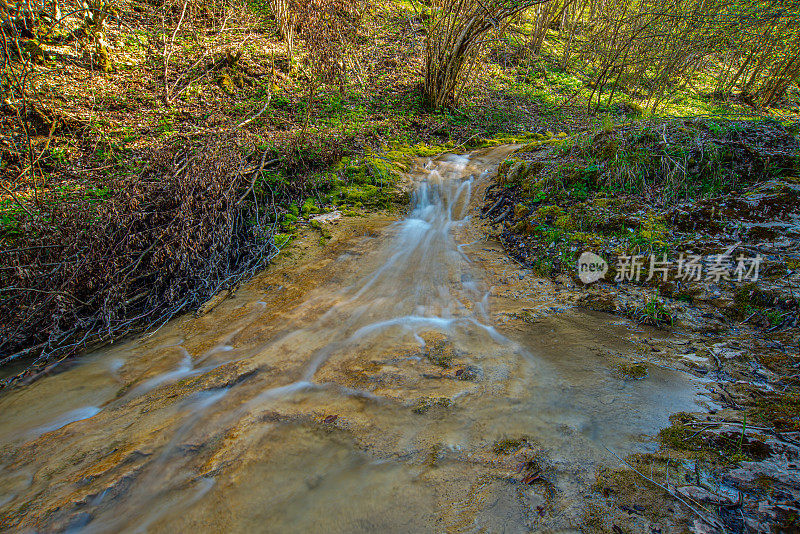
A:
(405, 377)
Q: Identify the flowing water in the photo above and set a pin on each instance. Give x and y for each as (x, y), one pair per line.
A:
(366, 387)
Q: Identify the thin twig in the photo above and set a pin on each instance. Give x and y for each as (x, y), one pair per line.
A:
(168, 52)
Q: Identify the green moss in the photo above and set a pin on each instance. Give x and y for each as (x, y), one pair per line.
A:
(281, 239)
(550, 212)
(521, 210)
(654, 231)
(353, 171)
(400, 154)
(679, 437)
(309, 207)
(565, 222)
(749, 299)
(632, 371)
(543, 266)
(502, 170)
(318, 226)
(595, 518)
(530, 147)
(729, 447)
(364, 194)
(368, 182)
(10, 220)
(780, 410)
(594, 240)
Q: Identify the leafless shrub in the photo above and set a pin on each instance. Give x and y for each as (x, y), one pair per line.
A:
(167, 238)
(759, 50)
(20, 53)
(456, 29)
(647, 45)
(328, 29)
(286, 16)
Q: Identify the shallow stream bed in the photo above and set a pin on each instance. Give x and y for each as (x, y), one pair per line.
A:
(382, 383)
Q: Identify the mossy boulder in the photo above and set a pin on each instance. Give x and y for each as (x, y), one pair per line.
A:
(363, 194)
(517, 172)
(309, 207)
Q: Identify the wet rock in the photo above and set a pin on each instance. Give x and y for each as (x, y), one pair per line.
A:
(470, 372)
(698, 320)
(599, 299)
(517, 172)
(724, 303)
(633, 371)
(750, 473)
(74, 523)
(565, 281)
(695, 362)
(531, 478)
(328, 218)
(702, 495)
(464, 372)
(424, 404)
(212, 303)
(509, 445)
(701, 527)
(330, 419)
(723, 352)
(439, 350)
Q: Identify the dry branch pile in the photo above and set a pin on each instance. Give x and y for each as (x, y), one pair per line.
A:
(165, 240)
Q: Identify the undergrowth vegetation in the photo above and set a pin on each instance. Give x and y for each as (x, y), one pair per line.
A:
(619, 190)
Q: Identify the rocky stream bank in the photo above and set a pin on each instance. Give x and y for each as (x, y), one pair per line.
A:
(706, 248)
